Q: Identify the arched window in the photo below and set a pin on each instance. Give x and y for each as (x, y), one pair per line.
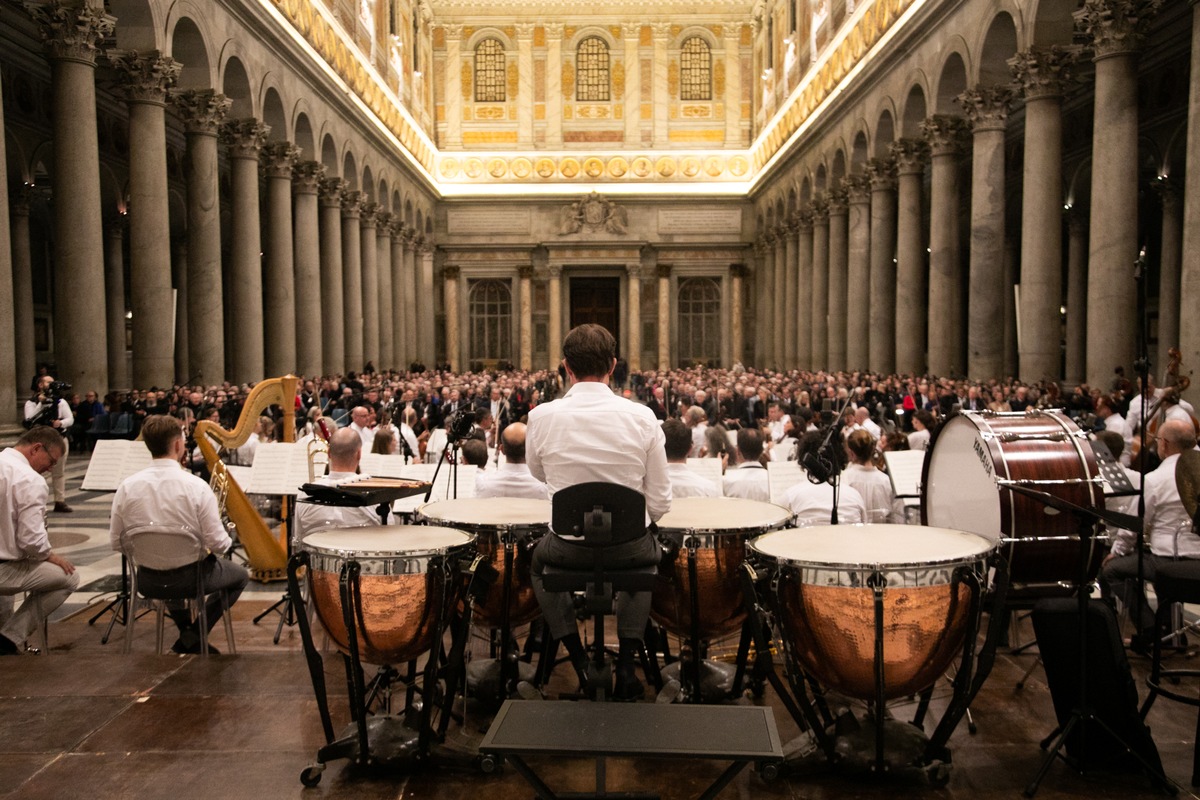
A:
(490, 307)
(489, 71)
(591, 71)
(699, 321)
(695, 70)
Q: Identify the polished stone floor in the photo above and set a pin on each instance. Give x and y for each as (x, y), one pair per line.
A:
(84, 720)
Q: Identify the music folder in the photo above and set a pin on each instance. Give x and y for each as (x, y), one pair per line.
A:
(114, 460)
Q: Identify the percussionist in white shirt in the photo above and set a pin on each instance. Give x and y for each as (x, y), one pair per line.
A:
(345, 452)
(511, 478)
(685, 481)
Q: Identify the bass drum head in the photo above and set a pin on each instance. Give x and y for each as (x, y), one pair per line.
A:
(489, 512)
(960, 489)
(722, 514)
(888, 547)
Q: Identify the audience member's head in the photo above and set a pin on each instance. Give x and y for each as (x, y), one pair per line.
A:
(678, 440)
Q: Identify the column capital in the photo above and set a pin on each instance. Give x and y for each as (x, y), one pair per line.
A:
(368, 211)
(279, 158)
(881, 172)
(946, 134)
(1043, 72)
(737, 271)
(244, 137)
(524, 30)
(631, 30)
(451, 272)
(801, 220)
(664, 272)
(662, 30)
(986, 107)
(1116, 27)
(633, 270)
(425, 245)
(555, 271)
(858, 188)
(331, 191)
(71, 33)
(819, 212)
(351, 204)
(383, 223)
(762, 247)
(148, 77)
(202, 110)
(408, 236)
(525, 272)
(307, 177)
(554, 30)
(911, 155)
(453, 30)
(838, 200)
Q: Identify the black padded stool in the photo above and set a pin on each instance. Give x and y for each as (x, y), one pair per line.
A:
(605, 515)
(1176, 582)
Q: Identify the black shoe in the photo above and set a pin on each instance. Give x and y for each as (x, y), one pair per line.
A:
(1142, 645)
(63, 508)
(7, 648)
(192, 649)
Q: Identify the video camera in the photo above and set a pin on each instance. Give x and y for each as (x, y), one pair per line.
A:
(461, 424)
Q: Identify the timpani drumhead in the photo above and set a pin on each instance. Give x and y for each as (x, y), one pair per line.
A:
(890, 546)
(491, 512)
(960, 485)
(722, 514)
(385, 540)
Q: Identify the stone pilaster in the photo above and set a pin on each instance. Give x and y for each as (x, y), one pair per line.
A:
(524, 96)
(986, 109)
(946, 135)
(662, 95)
(202, 112)
(912, 277)
(370, 283)
(881, 349)
(306, 183)
(858, 271)
(525, 306)
(454, 99)
(383, 267)
(352, 278)
(632, 100)
(554, 289)
(554, 96)
(819, 356)
(633, 337)
(664, 317)
(279, 313)
(838, 254)
(333, 326)
(244, 139)
(451, 276)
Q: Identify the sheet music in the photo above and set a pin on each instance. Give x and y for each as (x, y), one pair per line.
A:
(781, 476)
(114, 460)
(441, 489)
(707, 468)
(378, 465)
(904, 468)
(279, 468)
(240, 474)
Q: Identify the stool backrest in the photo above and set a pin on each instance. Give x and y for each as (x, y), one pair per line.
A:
(603, 513)
(161, 547)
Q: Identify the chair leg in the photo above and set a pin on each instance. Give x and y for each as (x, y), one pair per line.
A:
(161, 610)
(202, 623)
(228, 623)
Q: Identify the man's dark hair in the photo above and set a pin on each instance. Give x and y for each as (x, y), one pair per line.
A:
(1113, 441)
(474, 451)
(158, 431)
(750, 444)
(589, 351)
(679, 439)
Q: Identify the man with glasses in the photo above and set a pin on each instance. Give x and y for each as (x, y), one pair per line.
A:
(27, 564)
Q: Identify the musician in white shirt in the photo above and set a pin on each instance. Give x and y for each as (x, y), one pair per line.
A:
(511, 478)
(874, 486)
(685, 481)
(749, 479)
(345, 453)
(812, 503)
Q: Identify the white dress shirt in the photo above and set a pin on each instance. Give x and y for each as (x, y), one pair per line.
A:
(366, 434)
(244, 455)
(1124, 540)
(877, 493)
(685, 482)
(777, 429)
(748, 481)
(918, 440)
(698, 440)
(33, 408)
(812, 503)
(312, 517)
(1168, 526)
(23, 515)
(164, 493)
(1115, 422)
(591, 434)
(509, 480)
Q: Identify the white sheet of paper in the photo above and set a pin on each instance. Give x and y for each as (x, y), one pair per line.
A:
(904, 468)
(378, 465)
(114, 460)
(441, 488)
(279, 468)
(707, 468)
(781, 476)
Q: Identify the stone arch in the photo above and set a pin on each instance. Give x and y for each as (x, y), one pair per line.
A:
(1053, 22)
(235, 84)
(136, 25)
(820, 180)
(303, 137)
(329, 157)
(859, 151)
(428, 225)
(587, 31)
(490, 32)
(368, 182)
(806, 190)
(41, 161)
(837, 169)
(408, 213)
(915, 112)
(885, 133)
(999, 45)
(396, 203)
(382, 194)
(791, 200)
(189, 47)
(951, 83)
(273, 114)
(350, 171)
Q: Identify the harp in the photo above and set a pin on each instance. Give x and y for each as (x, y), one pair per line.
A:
(266, 552)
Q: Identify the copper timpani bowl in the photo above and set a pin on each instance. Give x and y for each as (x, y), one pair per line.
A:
(825, 609)
(406, 571)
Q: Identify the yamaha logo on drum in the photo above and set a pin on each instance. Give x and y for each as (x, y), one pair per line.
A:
(984, 459)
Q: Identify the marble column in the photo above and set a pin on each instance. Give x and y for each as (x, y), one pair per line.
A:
(662, 94)
(453, 77)
(838, 254)
(986, 110)
(333, 324)
(764, 259)
(524, 98)
(9, 380)
(146, 80)
(22, 290)
(946, 135)
(912, 289)
(779, 297)
(245, 138)
(792, 267)
(858, 272)
(72, 38)
(554, 93)
(633, 338)
(400, 346)
(1168, 272)
(1041, 74)
(1077, 255)
(737, 284)
(819, 357)
(202, 112)
(1117, 29)
(383, 267)
(425, 328)
(881, 307)
(352, 279)
(664, 317)
(370, 284)
(179, 269)
(411, 293)
(114, 294)
(306, 183)
(279, 290)
(554, 289)
(452, 276)
(631, 33)
(525, 306)
(801, 299)
(1189, 274)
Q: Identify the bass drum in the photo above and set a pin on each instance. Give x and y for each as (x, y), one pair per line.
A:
(1044, 450)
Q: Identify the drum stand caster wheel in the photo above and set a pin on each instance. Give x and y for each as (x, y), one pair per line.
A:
(311, 775)
(938, 774)
(489, 764)
(770, 771)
